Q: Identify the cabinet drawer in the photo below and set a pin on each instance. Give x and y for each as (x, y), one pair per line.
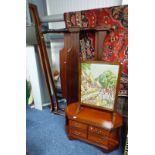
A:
(100, 131)
(78, 125)
(78, 133)
(102, 140)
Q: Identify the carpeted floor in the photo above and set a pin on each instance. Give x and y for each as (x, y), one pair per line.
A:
(45, 135)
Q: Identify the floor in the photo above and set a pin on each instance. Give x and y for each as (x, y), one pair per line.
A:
(45, 135)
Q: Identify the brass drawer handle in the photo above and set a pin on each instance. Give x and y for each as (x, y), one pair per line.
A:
(101, 139)
(77, 133)
(91, 128)
(69, 50)
(76, 124)
(104, 138)
(98, 131)
(97, 141)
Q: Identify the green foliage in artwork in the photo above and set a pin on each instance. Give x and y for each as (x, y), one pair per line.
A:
(98, 91)
(107, 79)
(85, 66)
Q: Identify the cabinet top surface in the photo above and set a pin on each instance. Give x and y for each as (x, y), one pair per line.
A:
(95, 117)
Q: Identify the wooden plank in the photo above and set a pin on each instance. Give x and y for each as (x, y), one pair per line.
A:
(72, 68)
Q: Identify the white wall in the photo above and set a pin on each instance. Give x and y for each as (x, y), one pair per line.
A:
(41, 5)
(56, 46)
(124, 2)
(32, 76)
(61, 6)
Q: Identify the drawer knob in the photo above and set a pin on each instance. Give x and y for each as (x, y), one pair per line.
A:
(91, 128)
(76, 133)
(98, 141)
(76, 124)
(98, 131)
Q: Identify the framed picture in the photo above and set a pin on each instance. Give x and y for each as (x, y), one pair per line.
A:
(98, 84)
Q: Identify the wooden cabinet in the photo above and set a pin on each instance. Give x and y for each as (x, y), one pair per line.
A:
(93, 126)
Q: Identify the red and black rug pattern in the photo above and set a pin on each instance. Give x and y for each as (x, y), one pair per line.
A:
(115, 45)
(87, 46)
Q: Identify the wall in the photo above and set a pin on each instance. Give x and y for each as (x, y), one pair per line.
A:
(124, 2)
(41, 5)
(32, 75)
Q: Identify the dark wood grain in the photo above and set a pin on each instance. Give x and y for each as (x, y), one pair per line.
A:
(69, 58)
(64, 64)
(63, 74)
(55, 31)
(72, 68)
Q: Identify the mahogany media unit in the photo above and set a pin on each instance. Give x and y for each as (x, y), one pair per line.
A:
(93, 126)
